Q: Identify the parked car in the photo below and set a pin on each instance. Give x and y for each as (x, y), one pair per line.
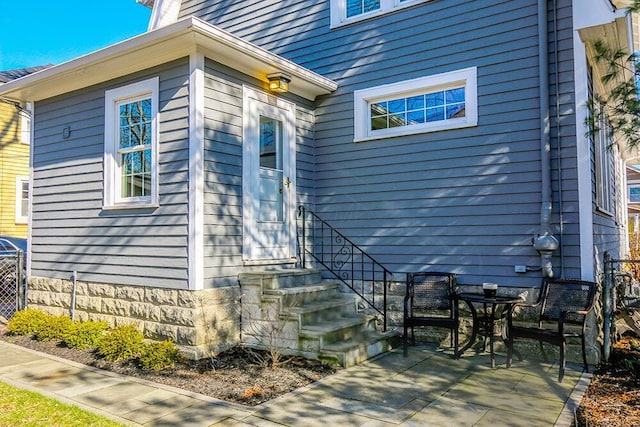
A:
(9, 246)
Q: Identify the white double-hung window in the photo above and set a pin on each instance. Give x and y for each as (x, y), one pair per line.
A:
(427, 104)
(347, 11)
(131, 141)
(22, 199)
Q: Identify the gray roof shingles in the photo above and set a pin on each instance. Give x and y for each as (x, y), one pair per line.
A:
(8, 75)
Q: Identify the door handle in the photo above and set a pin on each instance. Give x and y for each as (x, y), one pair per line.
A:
(287, 182)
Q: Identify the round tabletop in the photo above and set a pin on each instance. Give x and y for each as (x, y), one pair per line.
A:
(498, 299)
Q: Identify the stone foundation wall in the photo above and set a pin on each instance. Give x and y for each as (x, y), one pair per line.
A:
(199, 322)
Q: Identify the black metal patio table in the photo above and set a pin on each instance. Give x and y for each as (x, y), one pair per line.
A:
(484, 323)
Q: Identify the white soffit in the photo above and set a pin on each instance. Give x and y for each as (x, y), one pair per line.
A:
(160, 46)
(622, 4)
(616, 34)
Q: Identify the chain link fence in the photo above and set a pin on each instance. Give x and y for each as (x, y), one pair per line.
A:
(12, 284)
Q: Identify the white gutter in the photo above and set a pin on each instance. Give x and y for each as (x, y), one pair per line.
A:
(160, 46)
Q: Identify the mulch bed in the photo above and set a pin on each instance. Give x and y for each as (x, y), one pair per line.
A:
(237, 375)
(613, 396)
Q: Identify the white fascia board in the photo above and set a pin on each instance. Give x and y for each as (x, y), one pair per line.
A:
(243, 56)
(160, 46)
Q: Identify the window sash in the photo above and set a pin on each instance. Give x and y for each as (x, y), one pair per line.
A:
(604, 165)
(131, 138)
(426, 104)
(634, 194)
(22, 199)
(419, 109)
(344, 12)
(25, 124)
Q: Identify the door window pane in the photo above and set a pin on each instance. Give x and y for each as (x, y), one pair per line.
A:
(270, 143)
(271, 184)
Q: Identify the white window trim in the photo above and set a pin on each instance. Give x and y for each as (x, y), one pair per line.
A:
(112, 175)
(605, 153)
(339, 11)
(364, 97)
(21, 217)
(25, 124)
(630, 186)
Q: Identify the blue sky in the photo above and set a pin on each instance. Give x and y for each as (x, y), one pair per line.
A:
(39, 32)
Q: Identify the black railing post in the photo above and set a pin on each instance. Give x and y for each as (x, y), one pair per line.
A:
(606, 305)
(384, 326)
(303, 255)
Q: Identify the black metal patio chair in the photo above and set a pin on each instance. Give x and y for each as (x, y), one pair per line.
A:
(562, 303)
(431, 300)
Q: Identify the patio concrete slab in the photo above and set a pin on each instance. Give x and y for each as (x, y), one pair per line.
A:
(250, 421)
(112, 394)
(294, 413)
(523, 405)
(177, 406)
(377, 412)
(445, 412)
(11, 357)
(428, 388)
(495, 417)
(200, 414)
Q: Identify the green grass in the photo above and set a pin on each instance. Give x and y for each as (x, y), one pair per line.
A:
(25, 408)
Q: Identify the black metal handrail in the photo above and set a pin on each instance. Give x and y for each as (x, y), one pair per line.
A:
(344, 259)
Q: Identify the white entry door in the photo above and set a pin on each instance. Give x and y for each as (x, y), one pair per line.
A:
(268, 178)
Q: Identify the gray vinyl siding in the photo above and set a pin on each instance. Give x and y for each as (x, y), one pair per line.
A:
(223, 169)
(467, 200)
(71, 231)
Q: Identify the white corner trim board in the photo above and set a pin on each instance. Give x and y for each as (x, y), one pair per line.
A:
(164, 12)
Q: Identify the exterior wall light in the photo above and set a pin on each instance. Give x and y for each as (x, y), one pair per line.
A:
(278, 82)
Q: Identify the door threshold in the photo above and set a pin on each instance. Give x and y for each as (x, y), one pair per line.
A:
(260, 262)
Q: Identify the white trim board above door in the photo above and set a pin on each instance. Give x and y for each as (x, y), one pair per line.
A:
(268, 177)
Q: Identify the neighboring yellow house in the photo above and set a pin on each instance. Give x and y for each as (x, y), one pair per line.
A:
(15, 135)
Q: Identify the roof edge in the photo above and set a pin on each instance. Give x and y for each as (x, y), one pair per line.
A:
(167, 43)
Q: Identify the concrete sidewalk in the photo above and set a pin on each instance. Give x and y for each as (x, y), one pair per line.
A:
(426, 389)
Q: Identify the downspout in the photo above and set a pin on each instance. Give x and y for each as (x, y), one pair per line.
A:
(545, 243)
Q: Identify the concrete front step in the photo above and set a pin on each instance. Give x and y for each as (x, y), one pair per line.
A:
(320, 321)
(285, 278)
(370, 344)
(305, 294)
(323, 311)
(316, 336)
